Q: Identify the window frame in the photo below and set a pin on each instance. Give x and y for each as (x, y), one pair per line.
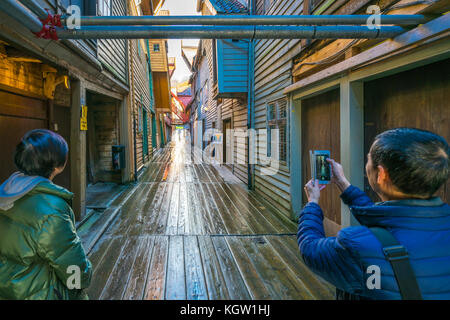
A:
(275, 123)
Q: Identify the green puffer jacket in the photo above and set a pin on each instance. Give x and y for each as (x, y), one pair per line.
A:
(38, 242)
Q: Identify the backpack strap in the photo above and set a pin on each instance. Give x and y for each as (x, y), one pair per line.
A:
(397, 255)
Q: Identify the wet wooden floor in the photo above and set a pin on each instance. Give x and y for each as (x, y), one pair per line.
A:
(184, 233)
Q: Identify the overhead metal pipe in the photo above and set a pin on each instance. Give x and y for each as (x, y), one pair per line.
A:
(231, 32)
(35, 8)
(237, 20)
(21, 14)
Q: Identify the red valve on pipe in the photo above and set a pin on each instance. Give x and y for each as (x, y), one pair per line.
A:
(49, 25)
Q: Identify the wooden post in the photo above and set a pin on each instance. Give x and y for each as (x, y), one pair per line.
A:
(78, 151)
(295, 109)
(352, 139)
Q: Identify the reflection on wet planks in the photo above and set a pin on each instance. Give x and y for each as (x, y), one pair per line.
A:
(203, 267)
(187, 234)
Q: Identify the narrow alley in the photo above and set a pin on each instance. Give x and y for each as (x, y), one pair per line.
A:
(184, 232)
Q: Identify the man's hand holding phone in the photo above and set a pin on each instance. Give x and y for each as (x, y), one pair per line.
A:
(338, 176)
(312, 190)
(313, 187)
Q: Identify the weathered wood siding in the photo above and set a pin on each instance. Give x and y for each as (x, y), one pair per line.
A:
(273, 64)
(159, 61)
(140, 95)
(113, 52)
(239, 125)
(211, 113)
(106, 123)
(24, 77)
(232, 67)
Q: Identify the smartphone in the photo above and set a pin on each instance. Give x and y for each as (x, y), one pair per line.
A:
(320, 168)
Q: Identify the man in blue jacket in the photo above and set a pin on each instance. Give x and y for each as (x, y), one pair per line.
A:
(405, 167)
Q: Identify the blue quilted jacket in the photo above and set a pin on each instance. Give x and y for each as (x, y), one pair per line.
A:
(422, 226)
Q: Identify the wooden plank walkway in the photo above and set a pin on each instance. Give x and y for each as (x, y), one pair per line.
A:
(184, 233)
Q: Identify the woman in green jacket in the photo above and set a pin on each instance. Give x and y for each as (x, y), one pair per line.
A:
(41, 256)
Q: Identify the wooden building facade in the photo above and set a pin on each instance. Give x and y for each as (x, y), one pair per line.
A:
(324, 94)
(141, 98)
(48, 84)
(161, 86)
(345, 92)
(221, 86)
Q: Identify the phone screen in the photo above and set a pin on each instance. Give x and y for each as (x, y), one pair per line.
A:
(323, 170)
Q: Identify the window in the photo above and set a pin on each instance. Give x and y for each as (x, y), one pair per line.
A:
(276, 114)
(156, 47)
(104, 8)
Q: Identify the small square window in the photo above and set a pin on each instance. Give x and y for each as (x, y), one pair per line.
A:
(156, 47)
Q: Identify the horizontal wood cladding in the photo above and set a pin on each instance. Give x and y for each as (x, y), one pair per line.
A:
(140, 85)
(112, 52)
(141, 158)
(232, 67)
(23, 76)
(104, 123)
(273, 65)
(158, 55)
(240, 161)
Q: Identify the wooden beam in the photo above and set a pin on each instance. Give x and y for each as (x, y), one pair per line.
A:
(295, 107)
(78, 151)
(352, 138)
(409, 40)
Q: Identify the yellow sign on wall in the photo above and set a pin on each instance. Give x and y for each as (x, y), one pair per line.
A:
(83, 119)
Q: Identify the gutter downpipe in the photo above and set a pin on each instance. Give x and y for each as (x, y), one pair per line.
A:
(250, 107)
(73, 45)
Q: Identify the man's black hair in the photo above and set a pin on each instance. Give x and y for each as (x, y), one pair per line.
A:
(39, 152)
(418, 161)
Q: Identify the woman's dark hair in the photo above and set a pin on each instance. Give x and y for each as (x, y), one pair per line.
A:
(39, 152)
(418, 161)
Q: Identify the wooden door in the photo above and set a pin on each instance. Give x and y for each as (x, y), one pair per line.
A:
(417, 98)
(18, 115)
(321, 131)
